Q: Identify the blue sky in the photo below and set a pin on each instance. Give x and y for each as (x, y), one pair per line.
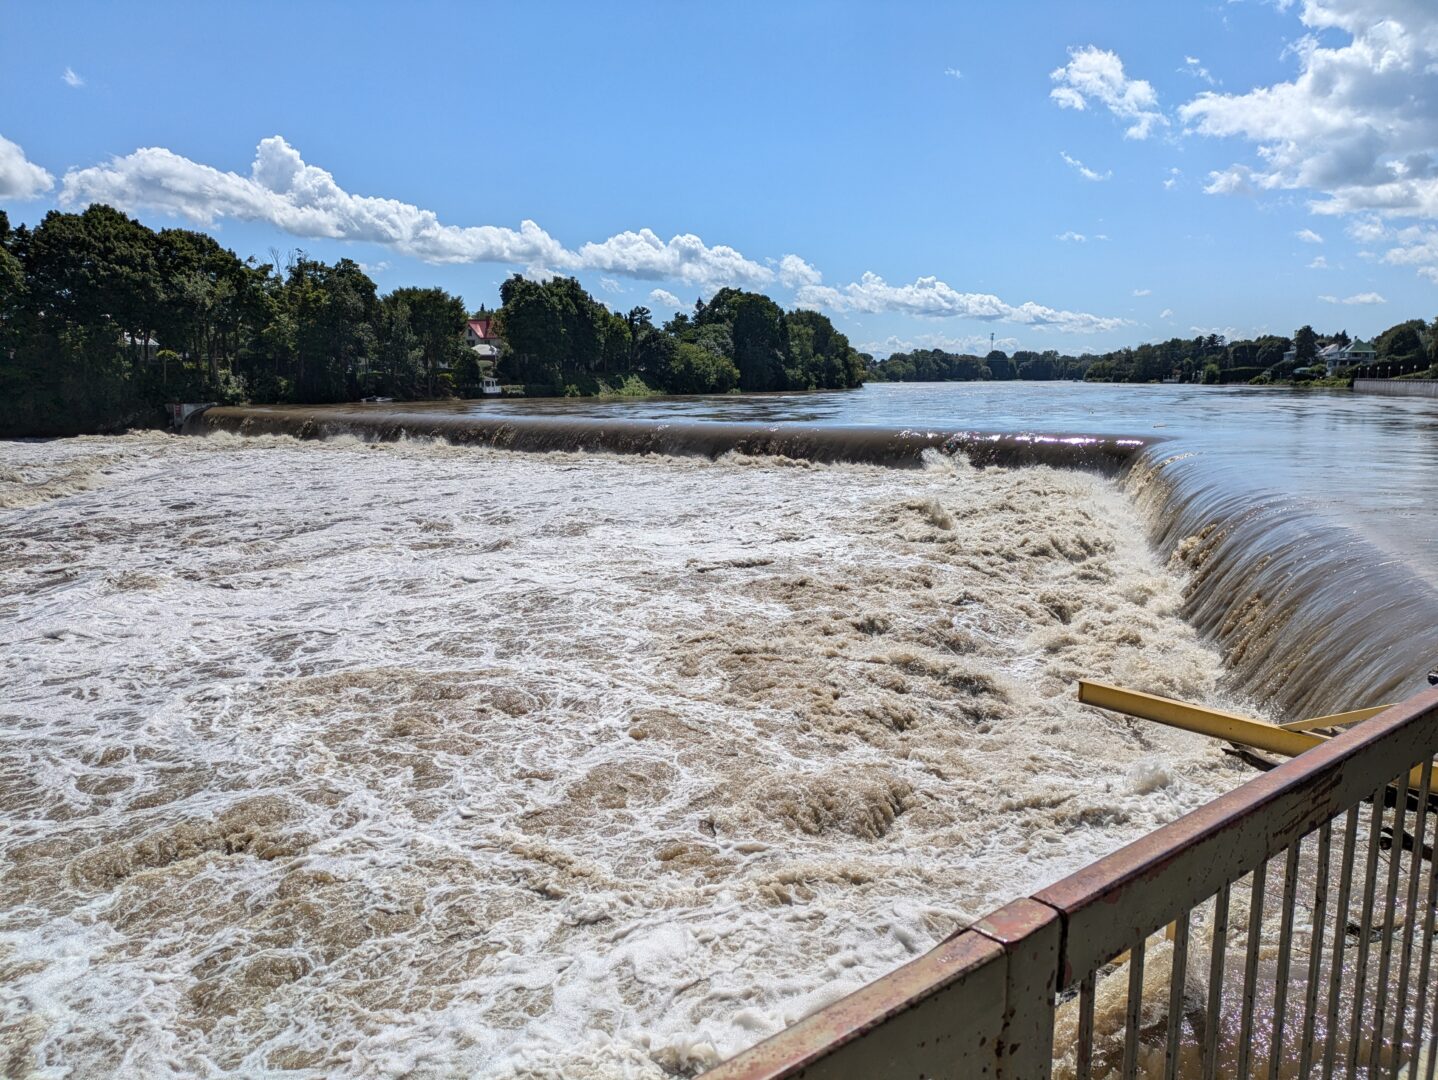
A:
(1072, 176)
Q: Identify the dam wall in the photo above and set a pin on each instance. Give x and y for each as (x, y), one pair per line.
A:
(894, 447)
(1398, 387)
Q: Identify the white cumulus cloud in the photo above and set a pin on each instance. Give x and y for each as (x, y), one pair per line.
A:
(1357, 126)
(1096, 75)
(1357, 298)
(665, 298)
(20, 178)
(1308, 236)
(1319, 263)
(930, 297)
(795, 273)
(284, 191)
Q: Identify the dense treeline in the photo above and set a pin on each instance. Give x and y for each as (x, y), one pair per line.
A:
(558, 337)
(103, 320)
(1406, 348)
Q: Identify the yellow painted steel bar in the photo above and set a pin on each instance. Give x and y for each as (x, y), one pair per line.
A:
(1334, 719)
(1215, 723)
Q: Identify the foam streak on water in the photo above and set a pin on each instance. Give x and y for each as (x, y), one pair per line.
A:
(330, 759)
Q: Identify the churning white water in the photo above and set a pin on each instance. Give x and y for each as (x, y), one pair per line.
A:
(327, 759)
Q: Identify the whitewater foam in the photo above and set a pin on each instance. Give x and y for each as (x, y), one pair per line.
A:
(337, 759)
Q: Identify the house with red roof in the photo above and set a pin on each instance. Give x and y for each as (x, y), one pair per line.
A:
(481, 335)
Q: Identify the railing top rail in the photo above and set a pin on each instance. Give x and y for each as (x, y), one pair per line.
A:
(788, 1053)
(1158, 877)
(1105, 909)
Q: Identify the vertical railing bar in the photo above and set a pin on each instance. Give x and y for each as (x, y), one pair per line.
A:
(1340, 937)
(1285, 945)
(1390, 911)
(1315, 947)
(1085, 1047)
(1250, 970)
(1175, 995)
(1425, 956)
(1360, 976)
(1135, 1007)
(1415, 871)
(1214, 1018)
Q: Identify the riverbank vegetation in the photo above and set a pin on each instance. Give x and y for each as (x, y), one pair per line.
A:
(103, 321)
(1409, 349)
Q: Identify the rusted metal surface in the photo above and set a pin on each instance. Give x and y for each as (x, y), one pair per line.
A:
(1154, 880)
(936, 1017)
(982, 1004)
(1031, 935)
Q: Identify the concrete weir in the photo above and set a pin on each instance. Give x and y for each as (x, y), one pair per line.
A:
(894, 447)
(1397, 387)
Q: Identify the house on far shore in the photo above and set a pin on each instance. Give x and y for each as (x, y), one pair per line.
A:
(1335, 356)
(480, 335)
(149, 348)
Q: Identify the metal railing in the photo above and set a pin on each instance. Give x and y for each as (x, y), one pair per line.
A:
(1285, 929)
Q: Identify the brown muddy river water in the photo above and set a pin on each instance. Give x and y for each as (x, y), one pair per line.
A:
(331, 759)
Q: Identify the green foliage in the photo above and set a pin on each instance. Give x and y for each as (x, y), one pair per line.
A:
(1305, 344)
(693, 369)
(1402, 344)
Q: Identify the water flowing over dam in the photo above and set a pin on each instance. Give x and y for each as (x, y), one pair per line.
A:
(1309, 614)
(347, 741)
(826, 444)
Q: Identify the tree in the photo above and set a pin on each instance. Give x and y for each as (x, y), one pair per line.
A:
(436, 319)
(759, 332)
(1305, 344)
(692, 369)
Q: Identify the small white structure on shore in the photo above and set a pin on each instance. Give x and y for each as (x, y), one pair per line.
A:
(182, 411)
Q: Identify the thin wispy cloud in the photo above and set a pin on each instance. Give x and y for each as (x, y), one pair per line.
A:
(1082, 169)
(71, 78)
(1319, 263)
(1357, 298)
(1308, 236)
(1143, 292)
(1192, 65)
(953, 73)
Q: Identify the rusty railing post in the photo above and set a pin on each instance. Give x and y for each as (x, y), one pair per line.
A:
(1030, 934)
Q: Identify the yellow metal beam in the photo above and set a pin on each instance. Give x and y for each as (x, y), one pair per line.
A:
(1215, 723)
(1218, 724)
(1334, 720)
